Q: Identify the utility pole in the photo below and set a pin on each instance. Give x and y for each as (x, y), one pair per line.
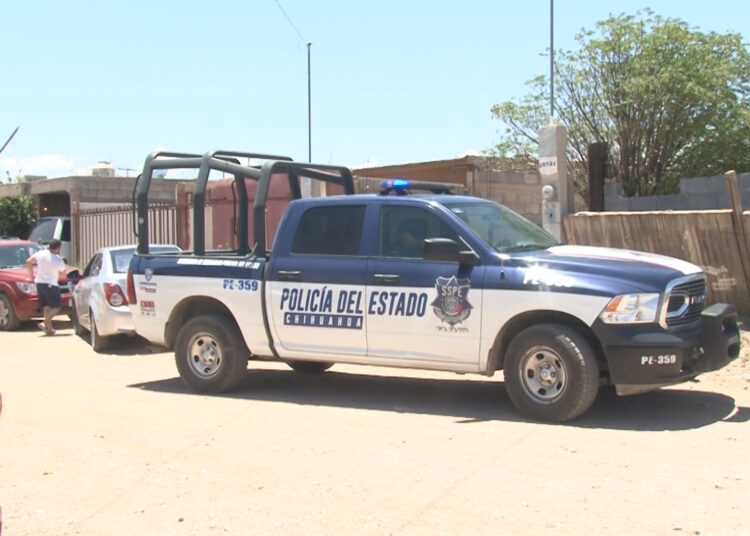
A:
(551, 62)
(309, 108)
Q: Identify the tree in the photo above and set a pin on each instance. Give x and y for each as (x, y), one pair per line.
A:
(670, 101)
(16, 216)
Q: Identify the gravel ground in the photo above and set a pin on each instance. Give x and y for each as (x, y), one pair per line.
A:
(113, 444)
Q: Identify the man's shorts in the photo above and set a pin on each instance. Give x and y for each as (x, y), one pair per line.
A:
(49, 295)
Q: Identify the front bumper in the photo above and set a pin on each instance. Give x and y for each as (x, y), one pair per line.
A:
(645, 357)
(27, 306)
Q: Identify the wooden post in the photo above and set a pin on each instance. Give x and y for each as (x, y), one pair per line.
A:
(597, 157)
(739, 228)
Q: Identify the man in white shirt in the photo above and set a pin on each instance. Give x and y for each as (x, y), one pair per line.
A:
(49, 266)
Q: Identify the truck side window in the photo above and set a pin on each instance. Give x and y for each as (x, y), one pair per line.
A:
(65, 232)
(332, 230)
(403, 229)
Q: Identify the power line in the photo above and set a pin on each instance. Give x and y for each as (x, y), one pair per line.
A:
(14, 133)
(290, 22)
(309, 94)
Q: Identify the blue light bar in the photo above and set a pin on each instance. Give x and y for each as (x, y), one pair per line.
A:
(397, 185)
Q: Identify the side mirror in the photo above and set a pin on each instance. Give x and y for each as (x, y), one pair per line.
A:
(73, 275)
(445, 249)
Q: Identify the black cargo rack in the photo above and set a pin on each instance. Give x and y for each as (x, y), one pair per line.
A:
(228, 161)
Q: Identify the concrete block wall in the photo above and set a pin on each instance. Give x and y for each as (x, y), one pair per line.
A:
(120, 189)
(519, 191)
(90, 189)
(696, 193)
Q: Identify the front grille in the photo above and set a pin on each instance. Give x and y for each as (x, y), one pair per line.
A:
(685, 302)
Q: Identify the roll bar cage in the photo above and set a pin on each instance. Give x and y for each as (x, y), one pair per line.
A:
(228, 162)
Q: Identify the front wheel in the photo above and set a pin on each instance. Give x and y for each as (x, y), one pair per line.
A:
(210, 354)
(8, 319)
(551, 373)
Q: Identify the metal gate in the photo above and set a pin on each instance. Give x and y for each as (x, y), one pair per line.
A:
(113, 226)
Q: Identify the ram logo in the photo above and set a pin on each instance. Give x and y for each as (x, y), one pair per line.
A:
(700, 299)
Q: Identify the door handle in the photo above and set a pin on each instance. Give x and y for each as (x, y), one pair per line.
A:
(387, 279)
(288, 275)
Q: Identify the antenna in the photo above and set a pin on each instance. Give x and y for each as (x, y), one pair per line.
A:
(127, 170)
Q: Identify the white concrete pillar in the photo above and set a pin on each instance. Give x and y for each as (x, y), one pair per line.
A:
(557, 189)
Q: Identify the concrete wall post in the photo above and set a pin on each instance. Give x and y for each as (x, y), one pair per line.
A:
(557, 192)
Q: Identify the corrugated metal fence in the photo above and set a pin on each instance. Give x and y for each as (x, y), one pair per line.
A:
(113, 226)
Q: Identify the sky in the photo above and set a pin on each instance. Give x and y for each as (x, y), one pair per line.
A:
(391, 81)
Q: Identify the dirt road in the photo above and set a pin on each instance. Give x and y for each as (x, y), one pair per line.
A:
(114, 445)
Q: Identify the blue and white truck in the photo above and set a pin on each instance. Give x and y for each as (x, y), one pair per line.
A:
(484, 290)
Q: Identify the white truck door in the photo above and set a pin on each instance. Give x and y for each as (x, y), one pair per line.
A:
(419, 312)
(316, 288)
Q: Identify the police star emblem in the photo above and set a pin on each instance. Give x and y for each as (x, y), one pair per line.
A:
(451, 304)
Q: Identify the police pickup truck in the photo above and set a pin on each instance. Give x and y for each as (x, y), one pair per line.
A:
(437, 281)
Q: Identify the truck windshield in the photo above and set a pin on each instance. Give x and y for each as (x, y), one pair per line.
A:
(14, 256)
(501, 228)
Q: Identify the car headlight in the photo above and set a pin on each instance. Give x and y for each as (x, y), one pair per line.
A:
(26, 288)
(631, 309)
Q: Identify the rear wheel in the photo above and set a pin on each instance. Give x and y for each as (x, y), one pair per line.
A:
(210, 354)
(98, 342)
(8, 319)
(551, 373)
(77, 327)
(309, 367)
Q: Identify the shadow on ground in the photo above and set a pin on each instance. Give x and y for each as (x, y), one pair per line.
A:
(124, 345)
(472, 401)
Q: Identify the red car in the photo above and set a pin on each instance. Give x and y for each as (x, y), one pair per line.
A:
(18, 298)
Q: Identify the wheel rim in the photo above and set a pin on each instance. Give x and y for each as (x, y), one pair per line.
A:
(4, 313)
(204, 355)
(543, 374)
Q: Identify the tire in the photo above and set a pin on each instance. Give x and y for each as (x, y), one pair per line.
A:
(309, 367)
(98, 343)
(78, 329)
(551, 373)
(8, 319)
(210, 354)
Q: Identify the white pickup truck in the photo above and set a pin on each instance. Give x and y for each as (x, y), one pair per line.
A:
(436, 281)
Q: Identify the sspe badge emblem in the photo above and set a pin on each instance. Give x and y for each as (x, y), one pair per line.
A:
(149, 273)
(451, 304)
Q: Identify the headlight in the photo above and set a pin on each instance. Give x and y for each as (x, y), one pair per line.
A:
(26, 288)
(631, 309)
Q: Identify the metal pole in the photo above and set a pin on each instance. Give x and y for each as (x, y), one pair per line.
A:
(309, 109)
(551, 62)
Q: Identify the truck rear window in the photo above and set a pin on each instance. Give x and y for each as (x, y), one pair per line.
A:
(334, 230)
